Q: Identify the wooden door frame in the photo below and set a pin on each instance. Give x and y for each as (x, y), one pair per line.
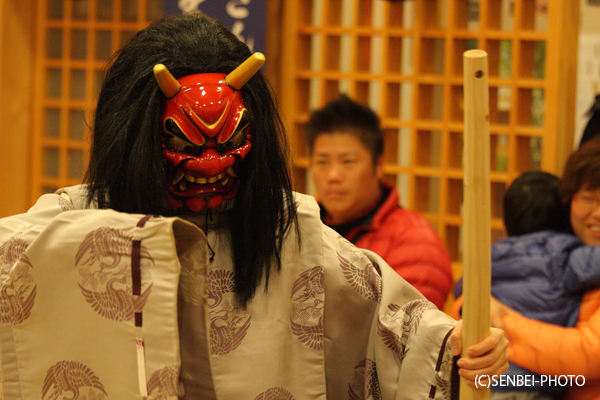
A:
(17, 41)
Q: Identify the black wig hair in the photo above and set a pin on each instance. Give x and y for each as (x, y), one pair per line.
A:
(532, 204)
(345, 115)
(127, 172)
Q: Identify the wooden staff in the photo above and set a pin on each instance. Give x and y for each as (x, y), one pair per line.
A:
(477, 210)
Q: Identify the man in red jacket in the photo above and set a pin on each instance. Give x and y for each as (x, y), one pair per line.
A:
(346, 153)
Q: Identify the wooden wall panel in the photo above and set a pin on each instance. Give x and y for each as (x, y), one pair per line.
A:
(75, 41)
(404, 59)
(16, 71)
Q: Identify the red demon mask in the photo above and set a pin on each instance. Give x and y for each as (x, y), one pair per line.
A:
(206, 134)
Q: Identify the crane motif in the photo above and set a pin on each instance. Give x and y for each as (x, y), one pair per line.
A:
(308, 293)
(220, 282)
(192, 284)
(64, 204)
(310, 284)
(104, 264)
(442, 378)
(365, 384)
(226, 334)
(70, 377)
(17, 287)
(228, 323)
(359, 271)
(164, 383)
(275, 393)
(404, 320)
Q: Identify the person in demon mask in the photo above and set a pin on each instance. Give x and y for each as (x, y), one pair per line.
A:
(202, 128)
(186, 266)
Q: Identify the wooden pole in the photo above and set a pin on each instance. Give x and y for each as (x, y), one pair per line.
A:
(477, 210)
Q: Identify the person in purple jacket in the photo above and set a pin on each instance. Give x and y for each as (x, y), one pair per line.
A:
(541, 269)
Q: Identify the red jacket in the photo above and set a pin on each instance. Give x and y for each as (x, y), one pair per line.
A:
(410, 245)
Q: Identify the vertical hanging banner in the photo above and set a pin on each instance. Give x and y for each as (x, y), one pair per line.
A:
(245, 18)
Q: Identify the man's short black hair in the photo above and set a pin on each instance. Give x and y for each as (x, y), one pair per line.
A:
(345, 115)
(532, 204)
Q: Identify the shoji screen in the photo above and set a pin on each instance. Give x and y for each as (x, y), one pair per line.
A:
(404, 59)
(75, 39)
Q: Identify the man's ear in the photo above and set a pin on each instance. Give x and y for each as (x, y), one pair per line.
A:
(379, 168)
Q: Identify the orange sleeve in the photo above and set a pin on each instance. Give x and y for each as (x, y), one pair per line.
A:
(552, 349)
(454, 311)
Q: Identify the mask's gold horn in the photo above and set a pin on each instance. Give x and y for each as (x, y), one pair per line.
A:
(239, 76)
(168, 85)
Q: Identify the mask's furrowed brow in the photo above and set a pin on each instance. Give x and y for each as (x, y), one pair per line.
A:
(190, 118)
(241, 124)
(173, 128)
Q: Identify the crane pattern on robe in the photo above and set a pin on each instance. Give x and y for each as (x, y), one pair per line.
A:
(68, 379)
(17, 287)
(228, 323)
(365, 384)
(64, 204)
(359, 271)
(164, 384)
(103, 261)
(193, 281)
(275, 393)
(308, 296)
(397, 324)
(443, 376)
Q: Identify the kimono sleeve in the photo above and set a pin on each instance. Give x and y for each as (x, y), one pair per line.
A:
(412, 349)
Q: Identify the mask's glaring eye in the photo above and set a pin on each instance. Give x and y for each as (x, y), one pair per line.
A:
(176, 144)
(177, 140)
(174, 129)
(239, 136)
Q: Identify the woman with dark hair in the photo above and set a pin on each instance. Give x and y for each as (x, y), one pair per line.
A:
(224, 300)
(554, 350)
(539, 269)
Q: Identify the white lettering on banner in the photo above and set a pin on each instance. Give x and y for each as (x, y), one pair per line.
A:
(235, 11)
(237, 28)
(189, 5)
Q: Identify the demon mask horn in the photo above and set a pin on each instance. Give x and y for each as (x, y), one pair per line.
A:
(238, 77)
(167, 83)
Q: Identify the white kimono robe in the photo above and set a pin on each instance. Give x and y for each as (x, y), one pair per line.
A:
(97, 304)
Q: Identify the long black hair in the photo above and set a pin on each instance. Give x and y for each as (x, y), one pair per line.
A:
(128, 173)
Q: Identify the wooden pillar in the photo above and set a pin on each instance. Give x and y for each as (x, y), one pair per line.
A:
(16, 77)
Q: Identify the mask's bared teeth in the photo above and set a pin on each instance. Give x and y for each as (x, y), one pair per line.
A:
(177, 177)
(190, 178)
(220, 176)
(231, 172)
(212, 179)
(182, 186)
(224, 181)
(200, 180)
